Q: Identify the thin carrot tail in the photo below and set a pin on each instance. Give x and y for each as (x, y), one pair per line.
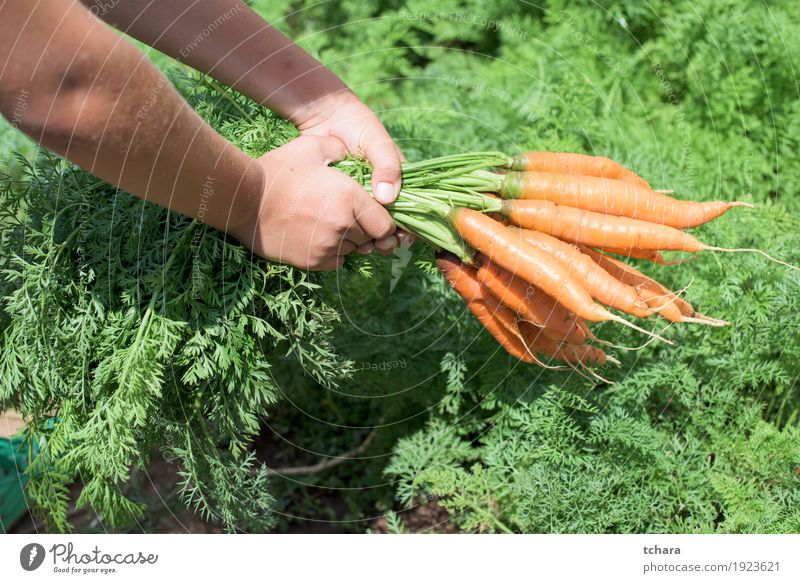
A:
(624, 322)
(569, 366)
(589, 370)
(673, 297)
(533, 355)
(709, 318)
(647, 343)
(704, 321)
(661, 308)
(538, 362)
(676, 294)
(591, 336)
(588, 375)
(759, 251)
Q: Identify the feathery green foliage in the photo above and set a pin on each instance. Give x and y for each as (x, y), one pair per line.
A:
(133, 328)
(696, 96)
(139, 329)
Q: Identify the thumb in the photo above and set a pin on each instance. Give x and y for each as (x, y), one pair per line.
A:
(385, 159)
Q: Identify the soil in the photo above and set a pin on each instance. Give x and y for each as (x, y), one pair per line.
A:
(166, 514)
(425, 517)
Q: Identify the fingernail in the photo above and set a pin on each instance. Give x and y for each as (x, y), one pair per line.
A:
(387, 244)
(366, 248)
(384, 192)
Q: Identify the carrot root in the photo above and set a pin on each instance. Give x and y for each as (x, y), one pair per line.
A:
(624, 322)
(705, 321)
(647, 343)
(759, 251)
(595, 375)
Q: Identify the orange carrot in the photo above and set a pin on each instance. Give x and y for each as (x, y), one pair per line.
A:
(494, 241)
(461, 277)
(521, 258)
(585, 354)
(609, 232)
(598, 229)
(602, 286)
(499, 330)
(498, 320)
(531, 303)
(579, 164)
(635, 278)
(655, 294)
(664, 303)
(613, 197)
(538, 341)
(646, 254)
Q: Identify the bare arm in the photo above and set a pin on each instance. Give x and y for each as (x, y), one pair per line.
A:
(94, 98)
(229, 41)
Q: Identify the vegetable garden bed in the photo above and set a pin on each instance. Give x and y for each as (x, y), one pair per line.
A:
(152, 336)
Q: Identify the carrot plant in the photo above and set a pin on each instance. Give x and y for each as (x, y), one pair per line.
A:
(117, 314)
(128, 329)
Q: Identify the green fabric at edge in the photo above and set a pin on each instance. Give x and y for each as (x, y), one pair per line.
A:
(13, 461)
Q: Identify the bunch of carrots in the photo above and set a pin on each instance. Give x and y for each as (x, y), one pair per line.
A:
(528, 242)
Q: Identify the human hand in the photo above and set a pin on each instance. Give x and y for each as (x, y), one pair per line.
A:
(343, 116)
(311, 215)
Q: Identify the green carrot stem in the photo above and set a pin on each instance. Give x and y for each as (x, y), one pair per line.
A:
(438, 176)
(414, 202)
(467, 198)
(498, 159)
(481, 180)
(434, 231)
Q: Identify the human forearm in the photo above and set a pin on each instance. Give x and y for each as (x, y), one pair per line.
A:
(95, 99)
(92, 97)
(230, 42)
